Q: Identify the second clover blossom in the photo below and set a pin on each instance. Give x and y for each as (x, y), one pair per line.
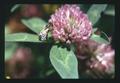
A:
(98, 59)
(70, 24)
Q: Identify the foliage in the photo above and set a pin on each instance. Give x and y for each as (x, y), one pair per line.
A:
(64, 62)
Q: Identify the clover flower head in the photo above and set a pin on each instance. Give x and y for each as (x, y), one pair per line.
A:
(97, 58)
(70, 24)
(105, 55)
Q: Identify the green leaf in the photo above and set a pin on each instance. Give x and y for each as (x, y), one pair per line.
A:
(35, 24)
(9, 49)
(7, 30)
(94, 13)
(64, 62)
(98, 39)
(21, 37)
(15, 7)
(49, 72)
(94, 30)
(104, 35)
(110, 10)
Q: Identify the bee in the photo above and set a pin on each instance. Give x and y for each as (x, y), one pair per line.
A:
(44, 33)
